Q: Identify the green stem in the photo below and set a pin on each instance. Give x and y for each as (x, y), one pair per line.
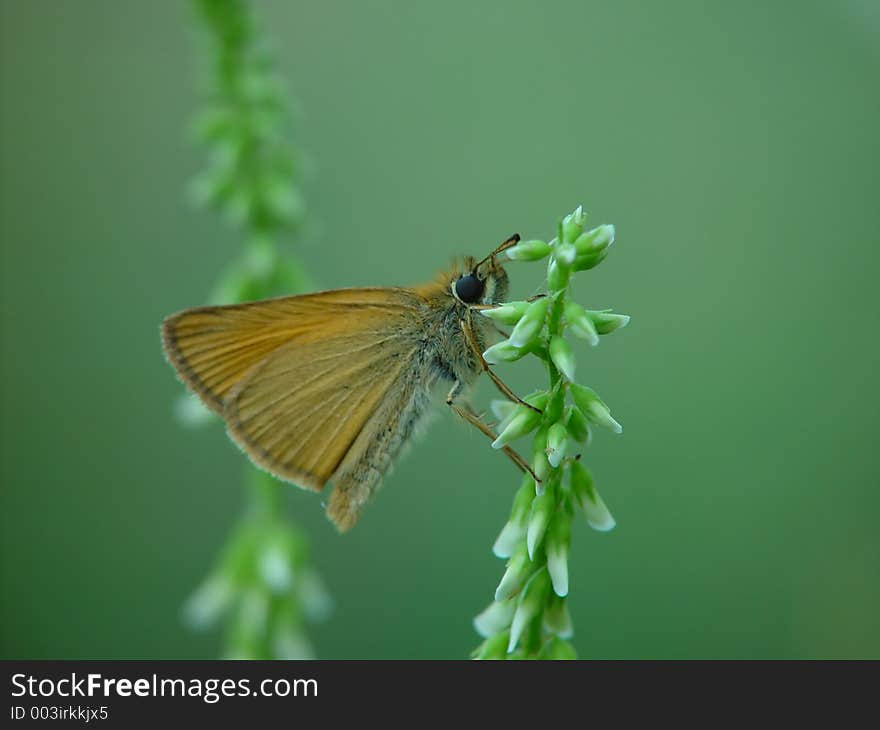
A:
(263, 496)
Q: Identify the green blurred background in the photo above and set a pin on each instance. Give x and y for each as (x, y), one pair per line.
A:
(734, 145)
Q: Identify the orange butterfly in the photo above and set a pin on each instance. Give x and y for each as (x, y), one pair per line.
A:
(331, 385)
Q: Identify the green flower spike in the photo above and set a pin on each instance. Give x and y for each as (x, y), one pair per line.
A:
(529, 618)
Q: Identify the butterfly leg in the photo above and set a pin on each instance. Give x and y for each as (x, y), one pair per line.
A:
(504, 333)
(472, 418)
(499, 383)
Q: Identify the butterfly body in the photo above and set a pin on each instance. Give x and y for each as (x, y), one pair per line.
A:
(330, 386)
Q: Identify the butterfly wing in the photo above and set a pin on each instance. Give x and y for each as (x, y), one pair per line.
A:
(297, 378)
(298, 412)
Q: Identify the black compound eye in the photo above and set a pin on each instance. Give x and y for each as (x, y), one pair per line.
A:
(469, 288)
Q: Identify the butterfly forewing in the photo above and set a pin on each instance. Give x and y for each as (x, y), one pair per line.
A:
(296, 378)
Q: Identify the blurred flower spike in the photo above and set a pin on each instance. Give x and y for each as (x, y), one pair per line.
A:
(261, 588)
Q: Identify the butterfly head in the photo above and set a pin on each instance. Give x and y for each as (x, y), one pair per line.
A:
(484, 281)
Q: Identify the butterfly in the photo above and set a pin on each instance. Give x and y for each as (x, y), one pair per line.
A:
(330, 386)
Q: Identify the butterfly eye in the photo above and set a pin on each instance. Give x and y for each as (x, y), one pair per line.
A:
(469, 288)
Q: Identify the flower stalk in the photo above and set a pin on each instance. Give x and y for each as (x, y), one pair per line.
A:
(529, 618)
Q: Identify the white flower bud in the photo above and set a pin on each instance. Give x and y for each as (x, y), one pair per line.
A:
(503, 352)
(556, 546)
(557, 444)
(531, 604)
(593, 407)
(557, 619)
(607, 322)
(496, 617)
(507, 313)
(530, 325)
(524, 420)
(598, 516)
(543, 507)
(580, 322)
(562, 356)
(528, 251)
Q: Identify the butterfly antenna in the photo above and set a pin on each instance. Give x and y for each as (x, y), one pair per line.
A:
(509, 243)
